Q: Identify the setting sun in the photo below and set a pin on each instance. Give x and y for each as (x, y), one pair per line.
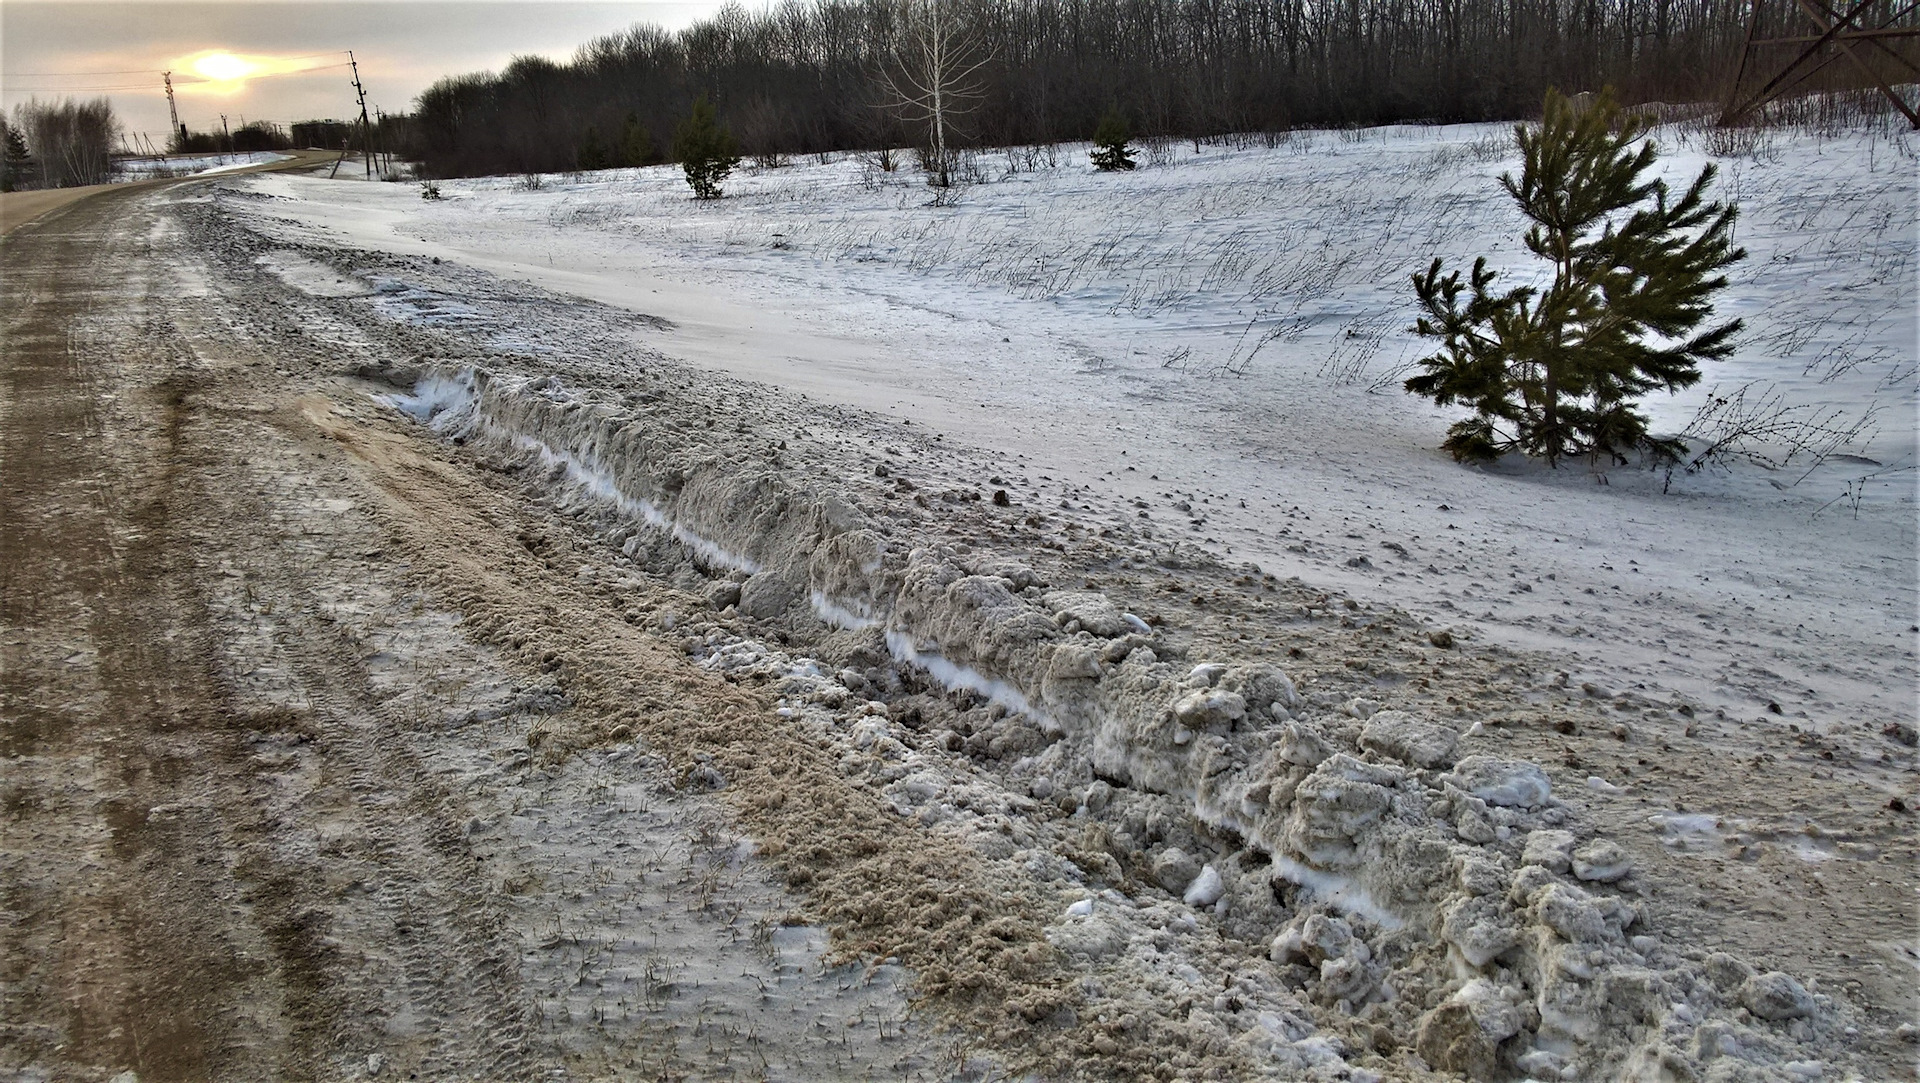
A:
(223, 67)
(222, 73)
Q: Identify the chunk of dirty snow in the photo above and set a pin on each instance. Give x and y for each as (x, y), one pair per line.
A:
(1500, 781)
(1464, 1033)
(1093, 610)
(1481, 929)
(1174, 870)
(1302, 746)
(1776, 996)
(765, 596)
(1206, 888)
(1601, 860)
(1409, 738)
(1551, 849)
(1205, 675)
(1569, 911)
(1209, 708)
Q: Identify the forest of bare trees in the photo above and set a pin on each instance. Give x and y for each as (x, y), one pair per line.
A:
(70, 142)
(812, 75)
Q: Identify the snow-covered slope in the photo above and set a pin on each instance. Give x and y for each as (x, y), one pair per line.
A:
(1217, 341)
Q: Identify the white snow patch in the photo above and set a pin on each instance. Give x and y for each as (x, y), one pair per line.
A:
(1335, 889)
(439, 401)
(311, 277)
(1206, 888)
(200, 165)
(840, 614)
(952, 675)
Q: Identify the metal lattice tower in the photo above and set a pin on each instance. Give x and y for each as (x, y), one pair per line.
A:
(1877, 28)
(172, 112)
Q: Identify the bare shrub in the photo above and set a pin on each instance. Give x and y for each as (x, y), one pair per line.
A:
(967, 168)
(1156, 150)
(1492, 147)
(1741, 142)
(1754, 423)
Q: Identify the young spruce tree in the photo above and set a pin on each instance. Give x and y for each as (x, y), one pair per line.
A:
(706, 151)
(1110, 140)
(1557, 372)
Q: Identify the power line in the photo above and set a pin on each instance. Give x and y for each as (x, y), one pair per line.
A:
(76, 74)
(157, 71)
(155, 83)
(70, 89)
(271, 74)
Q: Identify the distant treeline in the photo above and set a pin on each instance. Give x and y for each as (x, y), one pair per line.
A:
(259, 135)
(805, 76)
(327, 134)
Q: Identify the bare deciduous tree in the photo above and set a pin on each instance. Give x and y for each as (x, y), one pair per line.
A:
(934, 77)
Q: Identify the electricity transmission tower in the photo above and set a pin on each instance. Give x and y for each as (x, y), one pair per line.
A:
(1872, 36)
(179, 129)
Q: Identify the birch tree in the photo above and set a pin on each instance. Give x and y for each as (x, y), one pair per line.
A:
(934, 78)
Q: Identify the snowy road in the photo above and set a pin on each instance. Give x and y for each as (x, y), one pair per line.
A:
(273, 809)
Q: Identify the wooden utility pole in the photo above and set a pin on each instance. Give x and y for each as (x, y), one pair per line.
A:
(366, 129)
(1837, 32)
(225, 135)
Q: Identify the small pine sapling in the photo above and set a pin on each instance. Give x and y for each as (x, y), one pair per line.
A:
(706, 150)
(1110, 152)
(1557, 372)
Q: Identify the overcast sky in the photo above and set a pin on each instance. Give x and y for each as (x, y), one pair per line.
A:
(118, 49)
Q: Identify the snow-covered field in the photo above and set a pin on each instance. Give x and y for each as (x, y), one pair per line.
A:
(1217, 341)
